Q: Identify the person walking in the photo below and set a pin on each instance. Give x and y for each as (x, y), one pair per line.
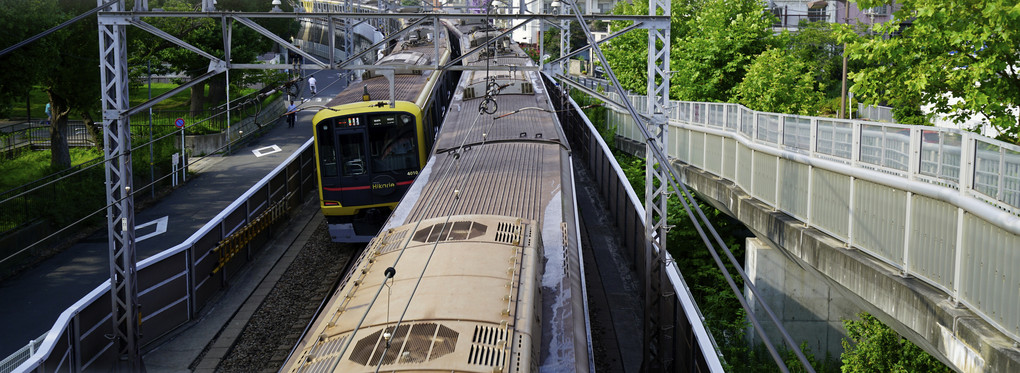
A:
(49, 116)
(311, 84)
(291, 115)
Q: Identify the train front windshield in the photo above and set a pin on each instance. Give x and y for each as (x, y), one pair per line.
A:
(367, 153)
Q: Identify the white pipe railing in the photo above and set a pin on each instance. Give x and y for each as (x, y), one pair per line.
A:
(68, 324)
(939, 204)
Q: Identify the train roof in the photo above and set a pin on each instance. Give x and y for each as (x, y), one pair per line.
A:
(450, 327)
(407, 83)
(514, 162)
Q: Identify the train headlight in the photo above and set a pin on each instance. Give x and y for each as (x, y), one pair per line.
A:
(406, 119)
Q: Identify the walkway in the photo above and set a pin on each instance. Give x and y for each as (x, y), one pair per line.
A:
(49, 288)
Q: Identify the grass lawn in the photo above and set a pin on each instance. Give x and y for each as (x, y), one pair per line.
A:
(139, 94)
(36, 164)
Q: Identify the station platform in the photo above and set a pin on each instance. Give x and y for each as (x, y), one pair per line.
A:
(36, 297)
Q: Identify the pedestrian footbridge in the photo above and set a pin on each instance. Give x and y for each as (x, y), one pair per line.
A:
(921, 224)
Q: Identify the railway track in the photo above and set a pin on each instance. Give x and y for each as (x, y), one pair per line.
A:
(276, 314)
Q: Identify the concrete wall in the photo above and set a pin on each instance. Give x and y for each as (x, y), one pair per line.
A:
(811, 310)
(200, 145)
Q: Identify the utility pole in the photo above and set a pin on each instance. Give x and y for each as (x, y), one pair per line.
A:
(842, 91)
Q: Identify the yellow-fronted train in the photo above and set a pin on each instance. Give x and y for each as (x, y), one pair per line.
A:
(370, 145)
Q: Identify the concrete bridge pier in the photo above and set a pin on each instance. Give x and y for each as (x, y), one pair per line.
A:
(811, 309)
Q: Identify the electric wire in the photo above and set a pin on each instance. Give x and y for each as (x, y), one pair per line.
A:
(103, 162)
(446, 225)
(685, 193)
(55, 28)
(459, 187)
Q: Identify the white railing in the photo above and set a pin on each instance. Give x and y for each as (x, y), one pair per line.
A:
(181, 279)
(939, 204)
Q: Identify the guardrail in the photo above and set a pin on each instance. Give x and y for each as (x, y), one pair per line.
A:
(939, 204)
(176, 284)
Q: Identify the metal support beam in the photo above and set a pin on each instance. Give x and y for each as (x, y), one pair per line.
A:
(213, 71)
(660, 354)
(269, 34)
(564, 64)
(653, 21)
(465, 53)
(348, 31)
(392, 36)
(595, 94)
(166, 36)
(607, 38)
(331, 27)
(227, 24)
(120, 201)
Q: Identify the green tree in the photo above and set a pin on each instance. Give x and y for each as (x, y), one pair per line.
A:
(817, 44)
(65, 68)
(551, 38)
(961, 57)
(780, 82)
(724, 38)
(874, 347)
(711, 43)
(628, 53)
(74, 86)
(206, 34)
(20, 20)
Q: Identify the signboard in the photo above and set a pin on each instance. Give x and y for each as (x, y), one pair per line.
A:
(179, 122)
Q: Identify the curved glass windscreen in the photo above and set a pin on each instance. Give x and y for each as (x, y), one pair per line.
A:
(363, 144)
(392, 140)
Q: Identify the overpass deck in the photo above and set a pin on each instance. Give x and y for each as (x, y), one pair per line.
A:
(932, 211)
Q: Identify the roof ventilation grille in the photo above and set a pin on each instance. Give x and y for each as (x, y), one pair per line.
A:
(486, 355)
(509, 233)
(488, 346)
(393, 242)
(456, 231)
(412, 344)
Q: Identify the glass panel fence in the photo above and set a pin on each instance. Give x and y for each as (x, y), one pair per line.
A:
(797, 132)
(731, 117)
(897, 148)
(986, 168)
(931, 149)
(716, 115)
(698, 114)
(952, 149)
(768, 128)
(1011, 177)
(747, 121)
(871, 144)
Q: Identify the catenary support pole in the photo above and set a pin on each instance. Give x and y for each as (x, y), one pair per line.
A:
(120, 211)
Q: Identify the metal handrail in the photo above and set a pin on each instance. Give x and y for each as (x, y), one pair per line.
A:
(973, 180)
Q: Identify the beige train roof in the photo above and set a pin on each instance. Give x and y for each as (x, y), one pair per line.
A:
(465, 307)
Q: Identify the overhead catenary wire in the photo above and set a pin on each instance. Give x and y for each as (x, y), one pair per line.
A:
(57, 27)
(700, 218)
(396, 262)
(446, 225)
(103, 162)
